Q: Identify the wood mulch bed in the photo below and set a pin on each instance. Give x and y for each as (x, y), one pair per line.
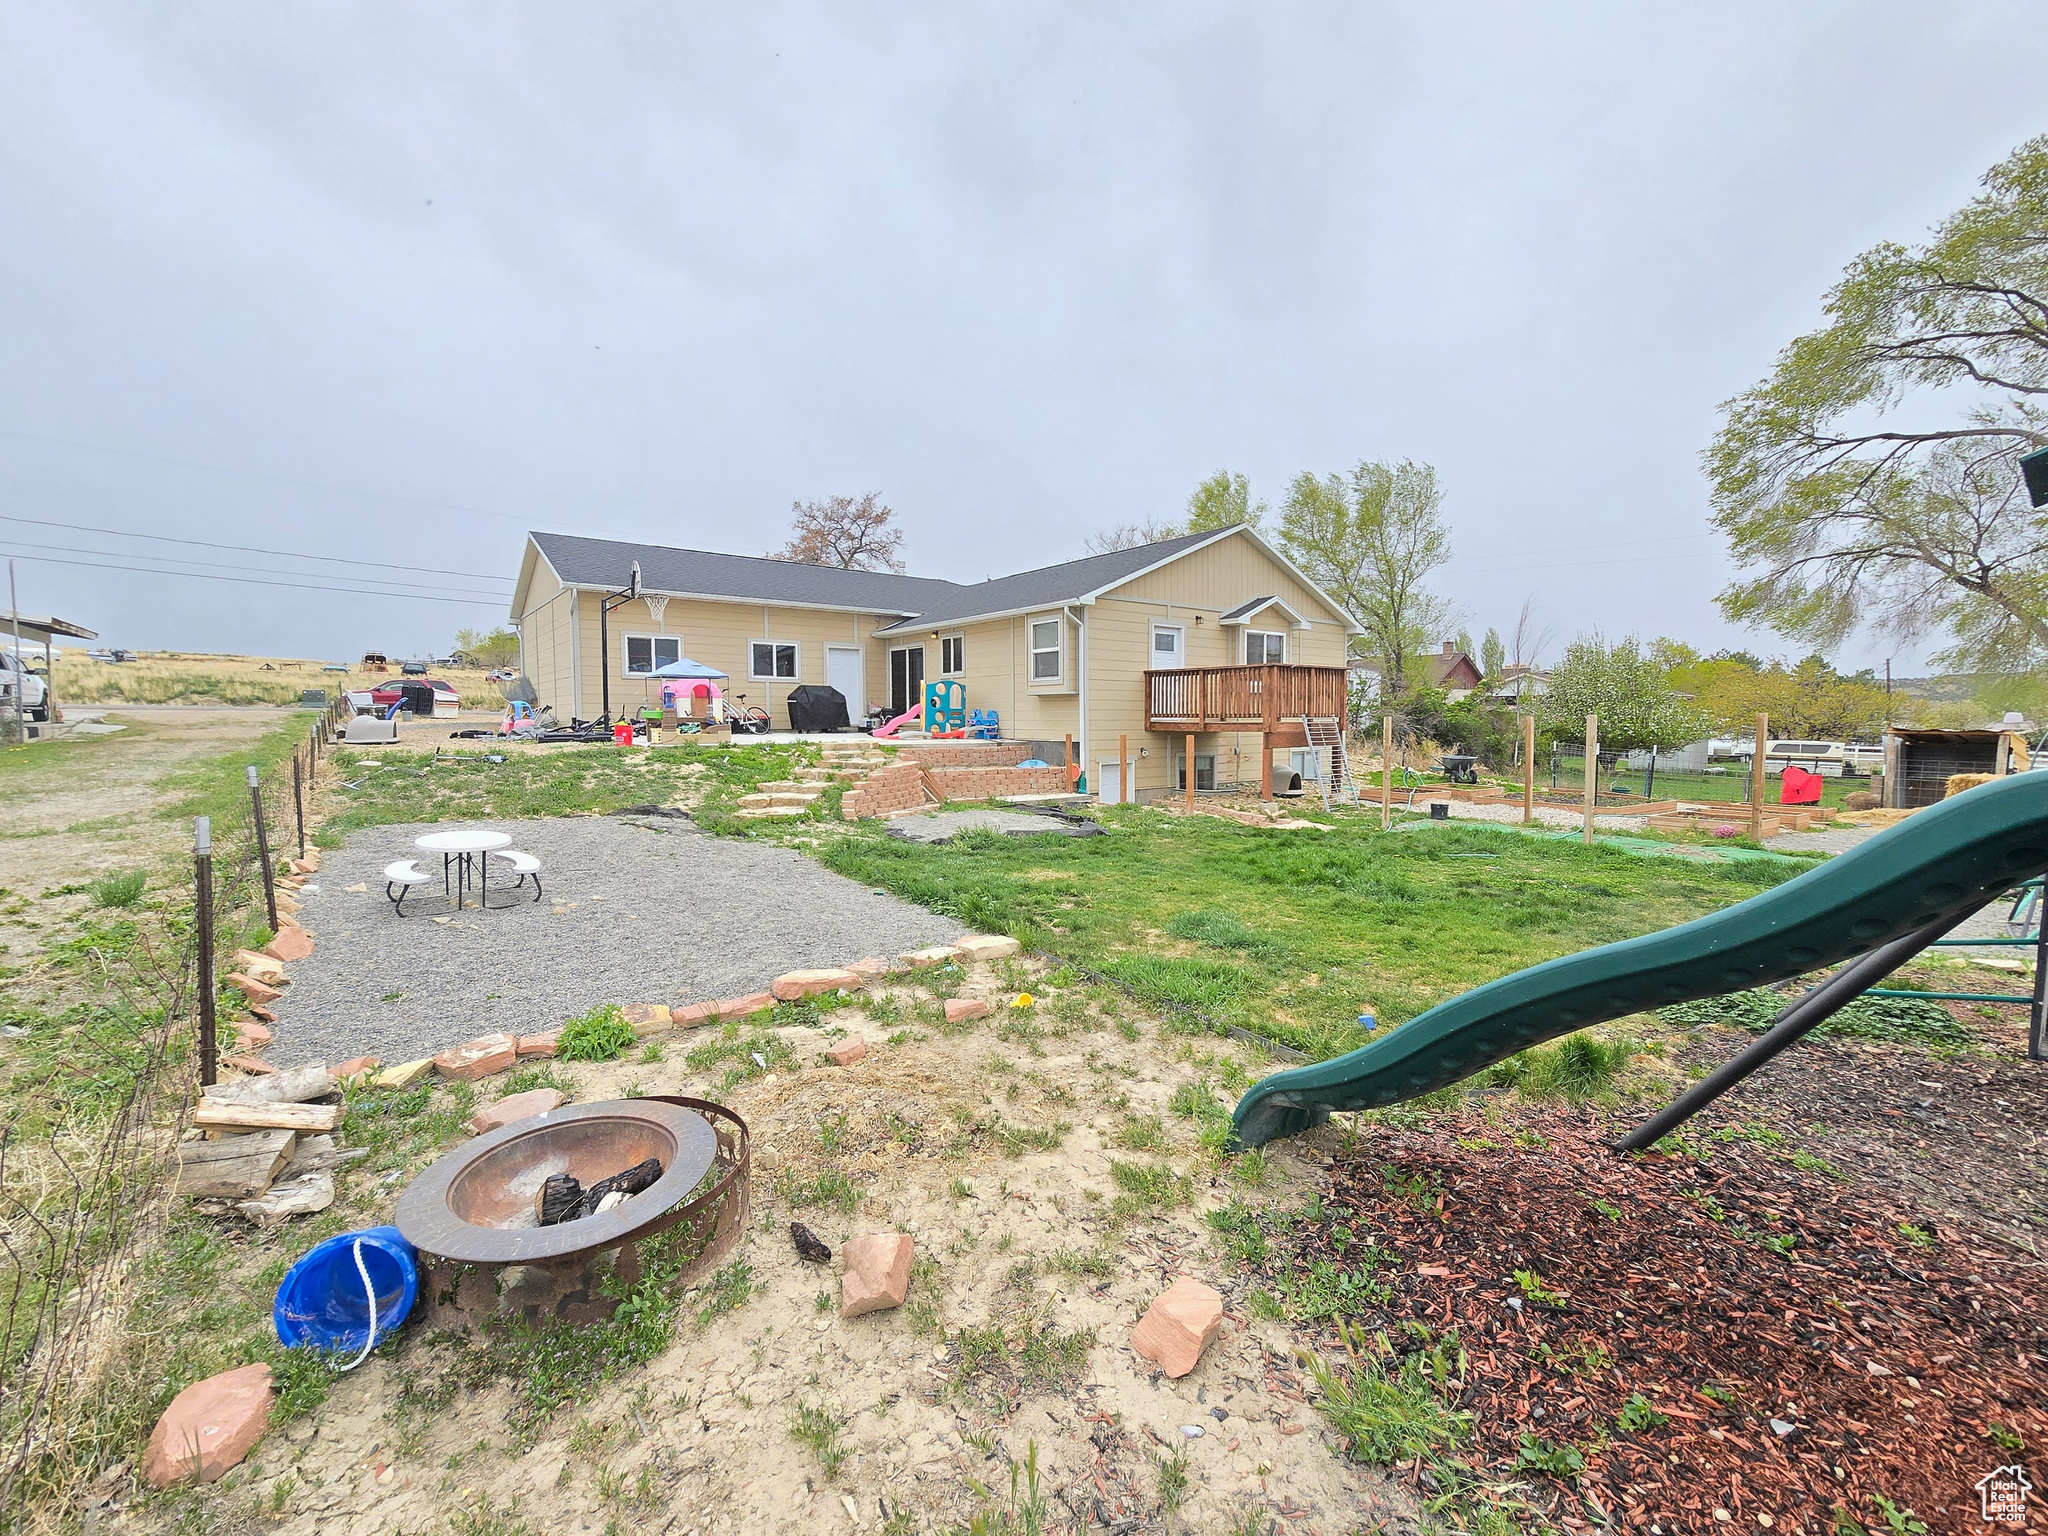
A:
(1885, 1357)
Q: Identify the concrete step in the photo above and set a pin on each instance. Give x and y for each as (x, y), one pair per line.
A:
(768, 812)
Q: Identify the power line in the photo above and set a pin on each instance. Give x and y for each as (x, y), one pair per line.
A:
(120, 554)
(250, 581)
(244, 549)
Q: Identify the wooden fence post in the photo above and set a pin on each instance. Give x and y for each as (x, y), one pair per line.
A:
(1123, 771)
(202, 916)
(1756, 779)
(1068, 762)
(1387, 771)
(1190, 765)
(1592, 771)
(263, 847)
(1528, 769)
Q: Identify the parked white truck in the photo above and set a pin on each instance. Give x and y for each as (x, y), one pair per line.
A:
(22, 689)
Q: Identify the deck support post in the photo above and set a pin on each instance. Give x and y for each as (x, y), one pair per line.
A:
(1190, 767)
(1266, 767)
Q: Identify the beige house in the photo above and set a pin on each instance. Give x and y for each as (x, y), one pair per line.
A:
(1213, 638)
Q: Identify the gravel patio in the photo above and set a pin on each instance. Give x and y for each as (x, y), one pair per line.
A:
(634, 912)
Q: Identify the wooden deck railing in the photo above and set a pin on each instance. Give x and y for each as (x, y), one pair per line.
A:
(1241, 698)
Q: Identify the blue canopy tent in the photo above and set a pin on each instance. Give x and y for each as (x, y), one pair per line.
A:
(685, 670)
(682, 666)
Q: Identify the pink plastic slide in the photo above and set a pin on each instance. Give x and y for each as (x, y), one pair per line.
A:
(898, 723)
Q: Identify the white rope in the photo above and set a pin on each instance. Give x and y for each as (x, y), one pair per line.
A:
(370, 1291)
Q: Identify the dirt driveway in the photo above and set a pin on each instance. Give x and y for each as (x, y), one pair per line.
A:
(87, 806)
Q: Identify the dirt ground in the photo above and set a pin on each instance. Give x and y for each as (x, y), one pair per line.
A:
(88, 806)
(700, 1440)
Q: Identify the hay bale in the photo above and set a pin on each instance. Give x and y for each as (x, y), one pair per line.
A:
(1958, 782)
(1860, 800)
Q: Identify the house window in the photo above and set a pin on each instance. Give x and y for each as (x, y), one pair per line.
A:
(1205, 771)
(772, 659)
(953, 654)
(646, 652)
(1264, 647)
(1046, 651)
(1308, 762)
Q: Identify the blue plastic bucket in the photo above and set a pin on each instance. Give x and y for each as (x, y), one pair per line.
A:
(322, 1303)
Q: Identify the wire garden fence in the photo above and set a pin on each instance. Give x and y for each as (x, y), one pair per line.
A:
(92, 1124)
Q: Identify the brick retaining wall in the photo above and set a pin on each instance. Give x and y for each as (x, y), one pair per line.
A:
(899, 788)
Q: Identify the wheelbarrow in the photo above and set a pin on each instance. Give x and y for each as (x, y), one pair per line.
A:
(1459, 768)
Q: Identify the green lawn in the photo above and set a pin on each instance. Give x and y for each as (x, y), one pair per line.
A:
(1294, 934)
(408, 786)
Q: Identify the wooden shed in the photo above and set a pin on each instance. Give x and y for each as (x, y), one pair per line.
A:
(1919, 763)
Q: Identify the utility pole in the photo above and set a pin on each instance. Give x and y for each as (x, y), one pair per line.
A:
(20, 672)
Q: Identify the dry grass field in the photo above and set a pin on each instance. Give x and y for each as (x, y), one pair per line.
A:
(189, 677)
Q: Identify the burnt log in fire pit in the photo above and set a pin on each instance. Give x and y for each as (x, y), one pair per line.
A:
(483, 1253)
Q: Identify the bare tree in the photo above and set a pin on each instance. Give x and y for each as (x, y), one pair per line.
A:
(853, 534)
(1530, 637)
(1128, 536)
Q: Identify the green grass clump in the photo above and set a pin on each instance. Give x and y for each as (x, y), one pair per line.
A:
(122, 890)
(599, 1035)
(833, 1188)
(1386, 1414)
(1578, 1068)
(813, 1426)
(1901, 1020)
(1150, 1186)
(1223, 930)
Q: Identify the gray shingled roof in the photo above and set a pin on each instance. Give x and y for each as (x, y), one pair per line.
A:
(749, 578)
(1047, 586)
(926, 600)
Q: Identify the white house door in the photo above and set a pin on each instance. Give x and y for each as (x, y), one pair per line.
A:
(846, 670)
(1109, 786)
(1169, 647)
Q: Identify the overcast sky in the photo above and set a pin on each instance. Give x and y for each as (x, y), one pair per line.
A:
(398, 282)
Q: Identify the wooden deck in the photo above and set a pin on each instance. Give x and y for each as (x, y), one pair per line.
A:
(1271, 700)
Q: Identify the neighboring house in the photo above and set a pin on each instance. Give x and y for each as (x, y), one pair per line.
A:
(1456, 673)
(1149, 644)
(1518, 683)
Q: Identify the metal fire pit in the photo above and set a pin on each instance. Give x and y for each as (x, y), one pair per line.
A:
(482, 1253)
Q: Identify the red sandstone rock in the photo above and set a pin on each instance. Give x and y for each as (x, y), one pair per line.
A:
(961, 1009)
(477, 1058)
(692, 1015)
(1178, 1326)
(847, 1052)
(291, 943)
(356, 1066)
(519, 1106)
(537, 1045)
(209, 1427)
(877, 1273)
(740, 1007)
(250, 1035)
(255, 1066)
(794, 984)
(254, 990)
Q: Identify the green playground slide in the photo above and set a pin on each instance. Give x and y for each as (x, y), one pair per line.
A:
(1937, 864)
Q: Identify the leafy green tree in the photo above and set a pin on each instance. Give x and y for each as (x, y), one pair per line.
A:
(1371, 539)
(1626, 687)
(495, 648)
(1493, 654)
(1221, 500)
(1871, 479)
